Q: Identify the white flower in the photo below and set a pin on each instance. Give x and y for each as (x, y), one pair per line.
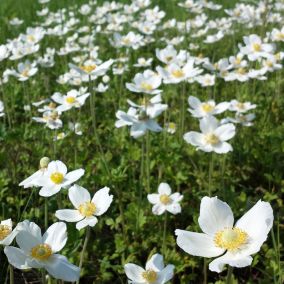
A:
(142, 62)
(241, 107)
(50, 118)
(73, 98)
(167, 55)
(234, 244)
(206, 80)
(214, 38)
(7, 234)
(86, 208)
(56, 177)
(199, 109)
(4, 52)
(240, 118)
(165, 200)
(130, 40)
(277, 35)
(37, 251)
(170, 127)
(25, 70)
(147, 82)
(155, 271)
(213, 137)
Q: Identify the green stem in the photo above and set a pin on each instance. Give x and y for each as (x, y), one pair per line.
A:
(11, 274)
(229, 275)
(148, 161)
(43, 276)
(210, 175)
(46, 213)
(164, 233)
(205, 271)
(88, 232)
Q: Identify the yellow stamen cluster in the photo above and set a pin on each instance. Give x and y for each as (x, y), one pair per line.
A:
(256, 47)
(165, 199)
(178, 73)
(41, 252)
(57, 177)
(150, 276)
(146, 86)
(87, 209)
(240, 105)
(212, 139)
(207, 107)
(241, 71)
(31, 38)
(5, 230)
(231, 239)
(70, 100)
(25, 73)
(88, 68)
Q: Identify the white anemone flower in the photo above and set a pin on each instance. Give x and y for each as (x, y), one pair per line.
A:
(213, 137)
(37, 251)
(206, 80)
(155, 271)
(201, 109)
(7, 234)
(147, 82)
(25, 70)
(165, 200)
(56, 177)
(51, 119)
(234, 244)
(86, 208)
(240, 107)
(73, 98)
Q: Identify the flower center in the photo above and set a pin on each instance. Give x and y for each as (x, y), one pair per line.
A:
(150, 276)
(87, 209)
(241, 105)
(41, 252)
(70, 100)
(169, 58)
(207, 107)
(280, 36)
(57, 177)
(241, 71)
(25, 73)
(212, 139)
(178, 73)
(231, 239)
(256, 47)
(165, 199)
(88, 68)
(4, 231)
(31, 38)
(146, 86)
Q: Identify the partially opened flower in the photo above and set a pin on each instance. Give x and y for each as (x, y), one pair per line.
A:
(234, 244)
(164, 200)
(86, 208)
(56, 177)
(37, 251)
(155, 271)
(7, 234)
(213, 136)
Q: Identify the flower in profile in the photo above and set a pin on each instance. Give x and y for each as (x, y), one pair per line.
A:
(25, 70)
(155, 271)
(234, 244)
(201, 109)
(213, 136)
(7, 234)
(56, 177)
(240, 118)
(164, 200)
(50, 118)
(86, 208)
(37, 251)
(147, 82)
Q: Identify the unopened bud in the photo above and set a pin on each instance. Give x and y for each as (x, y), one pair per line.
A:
(44, 162)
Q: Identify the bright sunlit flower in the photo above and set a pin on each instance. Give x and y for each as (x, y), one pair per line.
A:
(7, 234)
(37, 251)
(86, 208)
(164, 200)
(234, 244)
(155, 271)
(213, 136)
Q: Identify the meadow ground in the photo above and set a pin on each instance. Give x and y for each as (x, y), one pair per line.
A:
(249, 168)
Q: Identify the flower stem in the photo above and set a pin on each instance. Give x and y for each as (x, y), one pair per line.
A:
(11, 274)
(205, 271)
(88, 232)
(45, 213)
(229, 275)
(164, 233)
(43, 277)
(210, 175)
(148, 161)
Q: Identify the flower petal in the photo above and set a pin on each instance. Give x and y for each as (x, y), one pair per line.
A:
(16, 257)
(102, 200)
(69, 215)
(134, 272)
(78, 195)
(73, 176)
(164, 188)
(156, 262)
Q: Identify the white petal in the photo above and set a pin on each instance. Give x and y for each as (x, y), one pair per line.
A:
(73, 176)
(78, 195)
(56, 236)
(215, 215)
(102, 200)
(57, 166)
(197, 244)
(222, 148)
(217, 264)
(134, 272)
(174, 208)
(167, 273)
(226, 131)
(153, 198)
(82, 224)
(194, 138)
(69, 215)
(156, 262)
(164, 188)
(208, 124)
(194, 102)
(158, 209)
(92, 221)
(60, 268)
(47, 191)
(16, 257)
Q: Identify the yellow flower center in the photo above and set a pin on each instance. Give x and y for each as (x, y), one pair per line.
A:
(277, 56)
(172, 126)
(212, 139)
(231, 239)
(207, 107)
(31, 38)
(126, 41)
(41, 252)
(146, 86)
(238, 60)
(241, 105)
(52, 105)
(87, 209)
(241, 71)
(169, 58)
(25, 73)
(256, 47)
(88, 68)
(269, 63)
(57, 177)
(4, 231)
(70, 100)
(178, 73)
(150, 276)
(280, 36)
(165, 199)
